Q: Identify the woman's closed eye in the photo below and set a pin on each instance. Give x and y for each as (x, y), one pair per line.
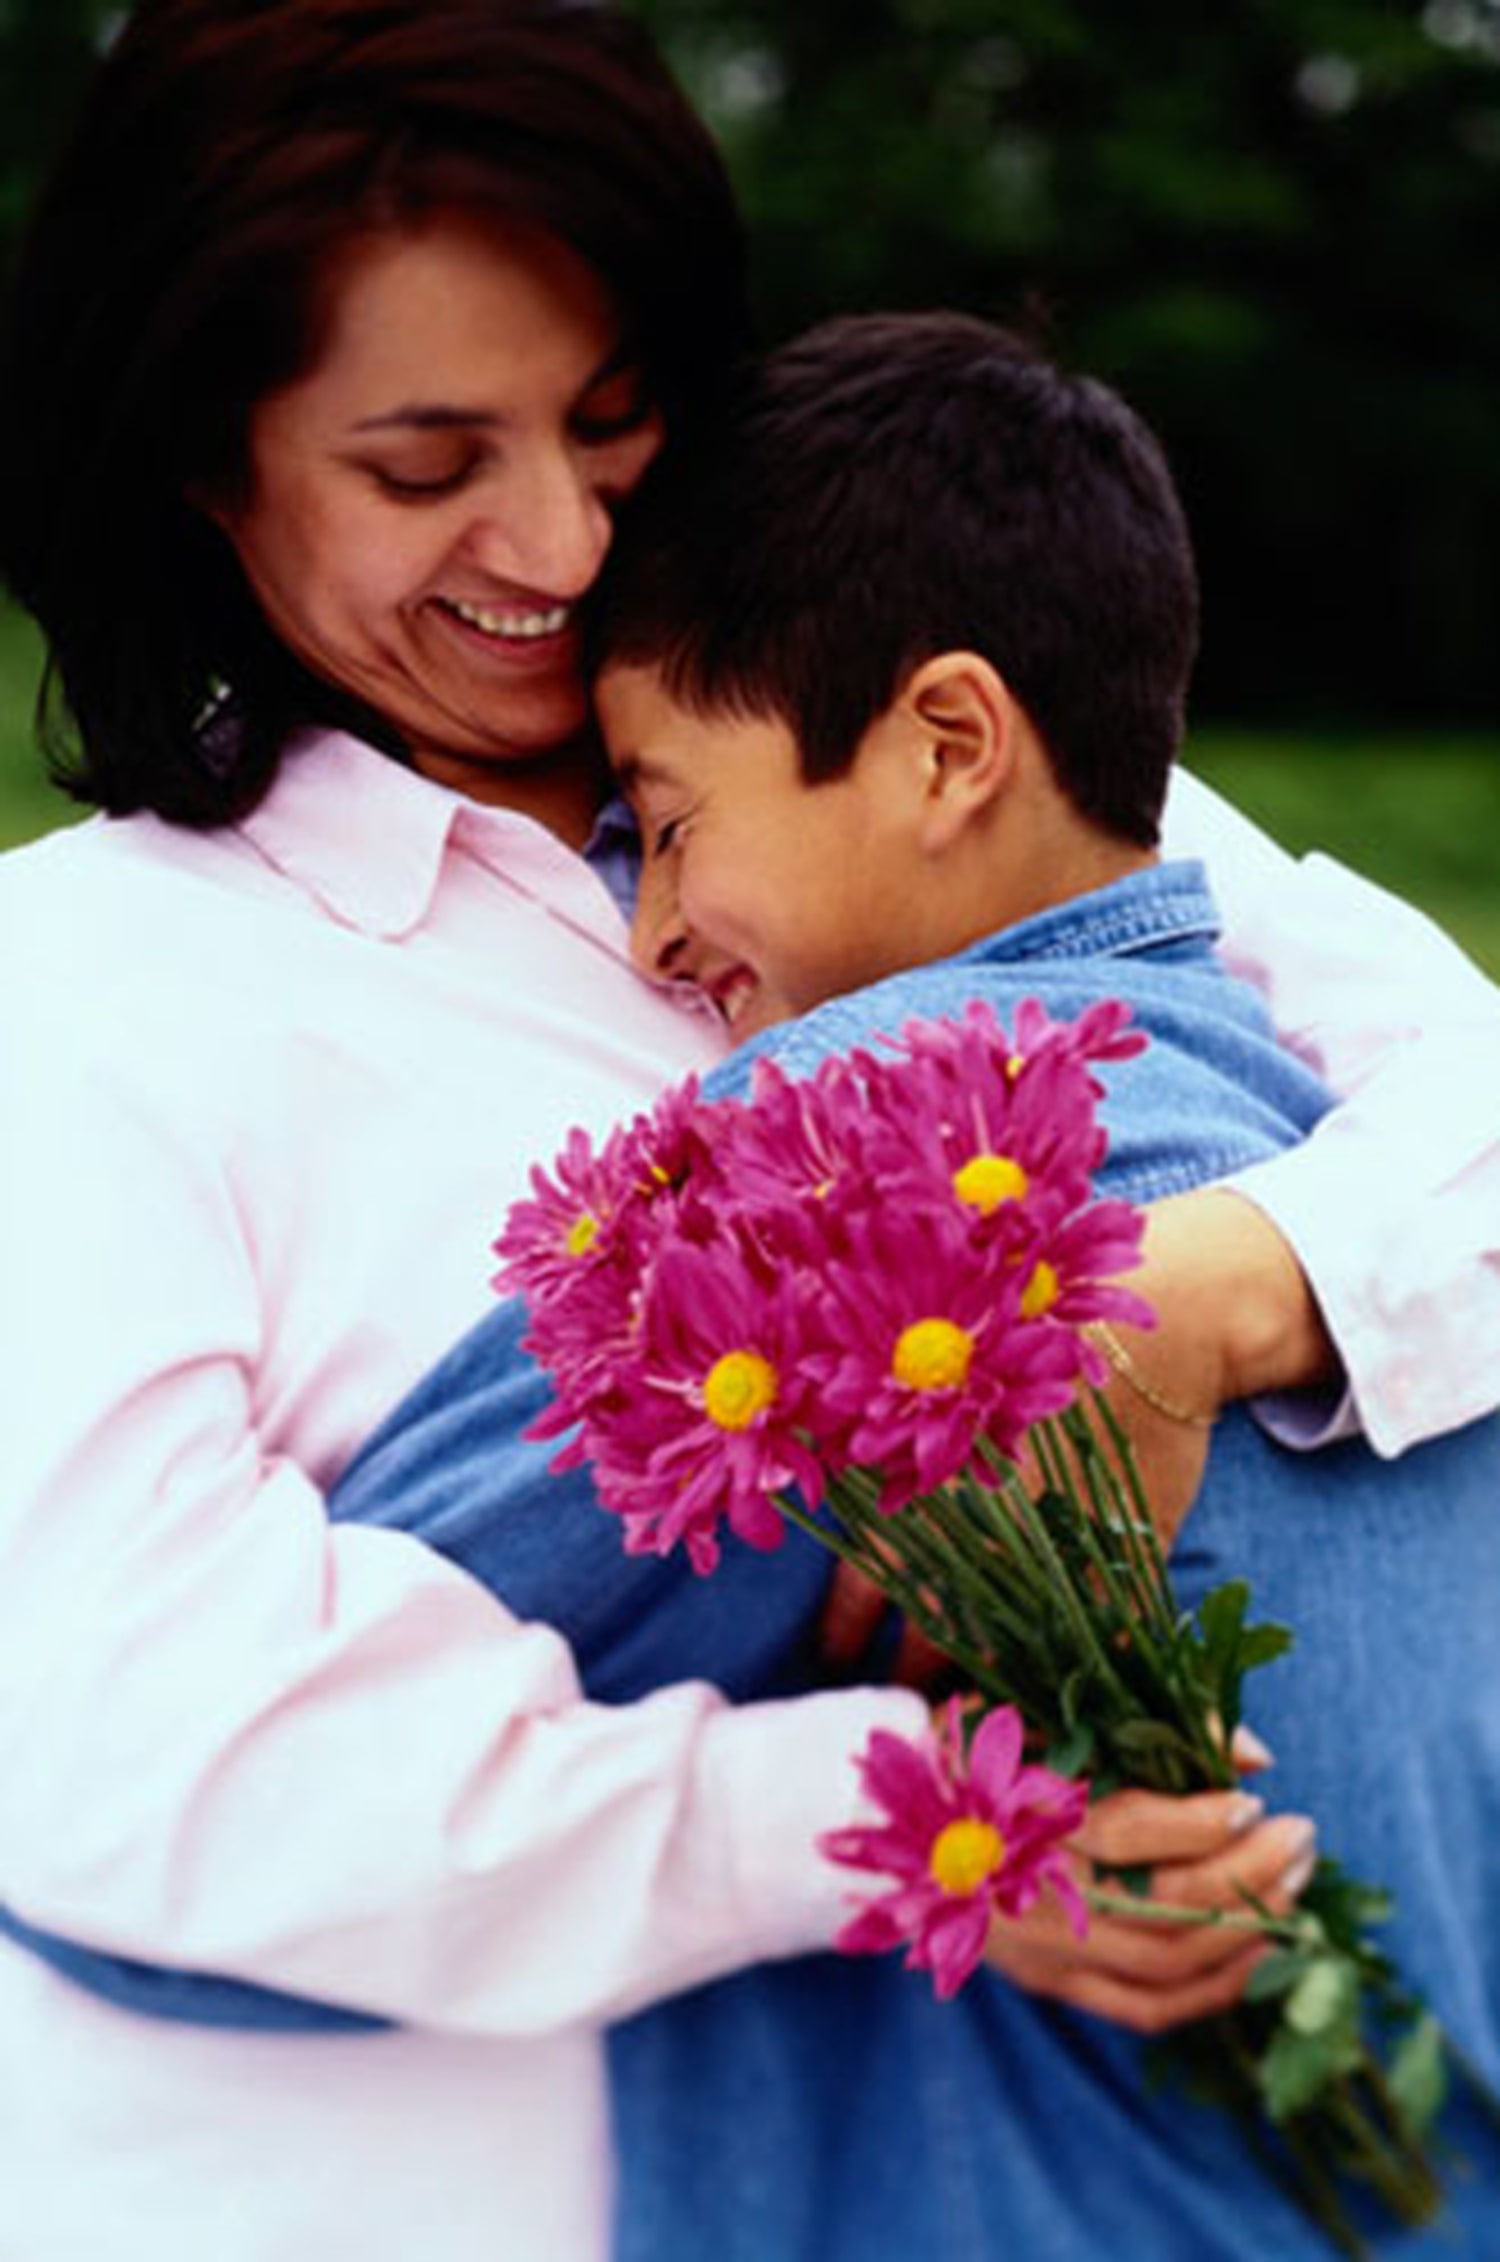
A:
(621, 403)
(420, 483)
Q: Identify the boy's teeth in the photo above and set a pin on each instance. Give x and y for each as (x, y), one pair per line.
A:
(516, 624)
(734, 995)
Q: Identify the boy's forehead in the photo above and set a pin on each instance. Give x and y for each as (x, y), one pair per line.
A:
(644, 726)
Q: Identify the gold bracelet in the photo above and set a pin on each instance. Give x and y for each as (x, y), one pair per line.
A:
(1100, 1332)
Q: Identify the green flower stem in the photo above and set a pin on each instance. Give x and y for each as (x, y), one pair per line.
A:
(1284, 1931)
(1122, 1477)
(1073, 1608)
(906, 1596)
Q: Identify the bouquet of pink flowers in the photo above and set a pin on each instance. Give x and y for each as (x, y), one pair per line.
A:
(852, 1304)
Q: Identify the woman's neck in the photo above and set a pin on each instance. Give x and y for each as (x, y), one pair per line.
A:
(562, 789)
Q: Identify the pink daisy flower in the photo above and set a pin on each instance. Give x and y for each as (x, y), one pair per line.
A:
(1011, 1134)
(577, 1250)
(924, 1345)
(705, 1421)
(963, 1836)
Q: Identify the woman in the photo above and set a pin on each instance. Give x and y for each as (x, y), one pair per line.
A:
(344, 328)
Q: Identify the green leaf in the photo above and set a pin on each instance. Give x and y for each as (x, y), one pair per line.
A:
(1418, 2074)
(1325, 1997)
(1297, 2068)
(1277, 1974)
(1261, 1645)
(1221, 1614)
(1346, 1907)
(1072, 1754)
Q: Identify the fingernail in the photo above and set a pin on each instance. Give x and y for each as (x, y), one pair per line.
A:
(1303, 1862)
(1248, 1748)
(1244, 1811)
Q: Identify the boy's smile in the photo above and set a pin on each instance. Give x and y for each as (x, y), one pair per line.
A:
(770, 893)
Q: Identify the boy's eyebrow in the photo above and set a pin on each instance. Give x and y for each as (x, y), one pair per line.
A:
(635, 769)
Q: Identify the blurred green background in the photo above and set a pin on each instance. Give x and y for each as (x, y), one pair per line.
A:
(1274, 223)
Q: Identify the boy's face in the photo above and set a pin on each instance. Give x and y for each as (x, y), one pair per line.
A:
(769, 893)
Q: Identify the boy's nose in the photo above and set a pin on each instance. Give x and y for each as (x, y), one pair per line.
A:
(658, 933)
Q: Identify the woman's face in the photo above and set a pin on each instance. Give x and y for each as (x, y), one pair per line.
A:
(429, 503)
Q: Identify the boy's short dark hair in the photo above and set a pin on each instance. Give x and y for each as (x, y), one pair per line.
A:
(889, 487)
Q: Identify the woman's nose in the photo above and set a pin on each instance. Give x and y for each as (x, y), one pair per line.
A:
(548, 529)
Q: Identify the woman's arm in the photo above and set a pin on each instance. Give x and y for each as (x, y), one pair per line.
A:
(1392, 1207)
(322, 1758)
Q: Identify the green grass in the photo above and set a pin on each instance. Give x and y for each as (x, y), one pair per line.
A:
(1419, 814)
(28, 804)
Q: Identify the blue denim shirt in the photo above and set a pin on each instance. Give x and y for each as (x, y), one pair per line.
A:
(827, 2109)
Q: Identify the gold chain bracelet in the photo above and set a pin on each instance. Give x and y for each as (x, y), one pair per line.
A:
(1100, 1332)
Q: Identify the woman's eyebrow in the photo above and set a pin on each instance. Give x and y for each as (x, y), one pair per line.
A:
(429, 416)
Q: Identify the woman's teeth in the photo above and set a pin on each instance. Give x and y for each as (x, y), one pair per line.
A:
(517, 625)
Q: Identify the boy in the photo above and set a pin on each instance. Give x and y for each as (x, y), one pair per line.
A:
(893, 679)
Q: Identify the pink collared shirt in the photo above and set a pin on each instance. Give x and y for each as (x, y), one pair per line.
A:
(268, 1093)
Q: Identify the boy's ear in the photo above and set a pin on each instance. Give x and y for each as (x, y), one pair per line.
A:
(965, 719)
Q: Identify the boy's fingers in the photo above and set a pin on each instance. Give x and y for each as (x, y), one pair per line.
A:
(1271, 1863)
(1156, 2009)
(1130, 1828)
(1247, 1751)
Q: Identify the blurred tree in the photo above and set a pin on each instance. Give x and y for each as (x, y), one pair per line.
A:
(45, 48)
(1275, 223)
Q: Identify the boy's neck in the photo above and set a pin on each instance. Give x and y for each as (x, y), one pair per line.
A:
(1031, 862)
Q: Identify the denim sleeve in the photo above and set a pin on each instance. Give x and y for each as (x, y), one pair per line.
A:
(452, 1465)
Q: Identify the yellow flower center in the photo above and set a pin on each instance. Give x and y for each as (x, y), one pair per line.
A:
(966, 1855)
(739, 1386)
(582, 1234)
(986, 1181)
(933, 1354)
(1041, 1291)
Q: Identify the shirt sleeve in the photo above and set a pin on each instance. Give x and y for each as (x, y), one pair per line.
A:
(234, 1737)
(1393, 1204)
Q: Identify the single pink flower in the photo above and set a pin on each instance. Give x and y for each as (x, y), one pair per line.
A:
(964, 1836)
(1007, 1126)
(923, 1347)
(706, 1418)
(578, 1249)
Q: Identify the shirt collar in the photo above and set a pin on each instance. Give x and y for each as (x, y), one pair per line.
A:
(367, 838)
(356, 830)
(1165, 903)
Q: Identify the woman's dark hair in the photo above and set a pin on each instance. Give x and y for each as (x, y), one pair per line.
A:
(227, 152)
(890, 487)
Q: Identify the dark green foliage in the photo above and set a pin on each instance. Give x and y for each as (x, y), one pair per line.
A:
(1272, 222)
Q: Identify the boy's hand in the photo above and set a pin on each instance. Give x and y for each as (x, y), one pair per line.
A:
(1205, 1851)
(852, 1617)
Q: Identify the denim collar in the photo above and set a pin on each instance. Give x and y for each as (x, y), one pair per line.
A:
(1166, 903)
